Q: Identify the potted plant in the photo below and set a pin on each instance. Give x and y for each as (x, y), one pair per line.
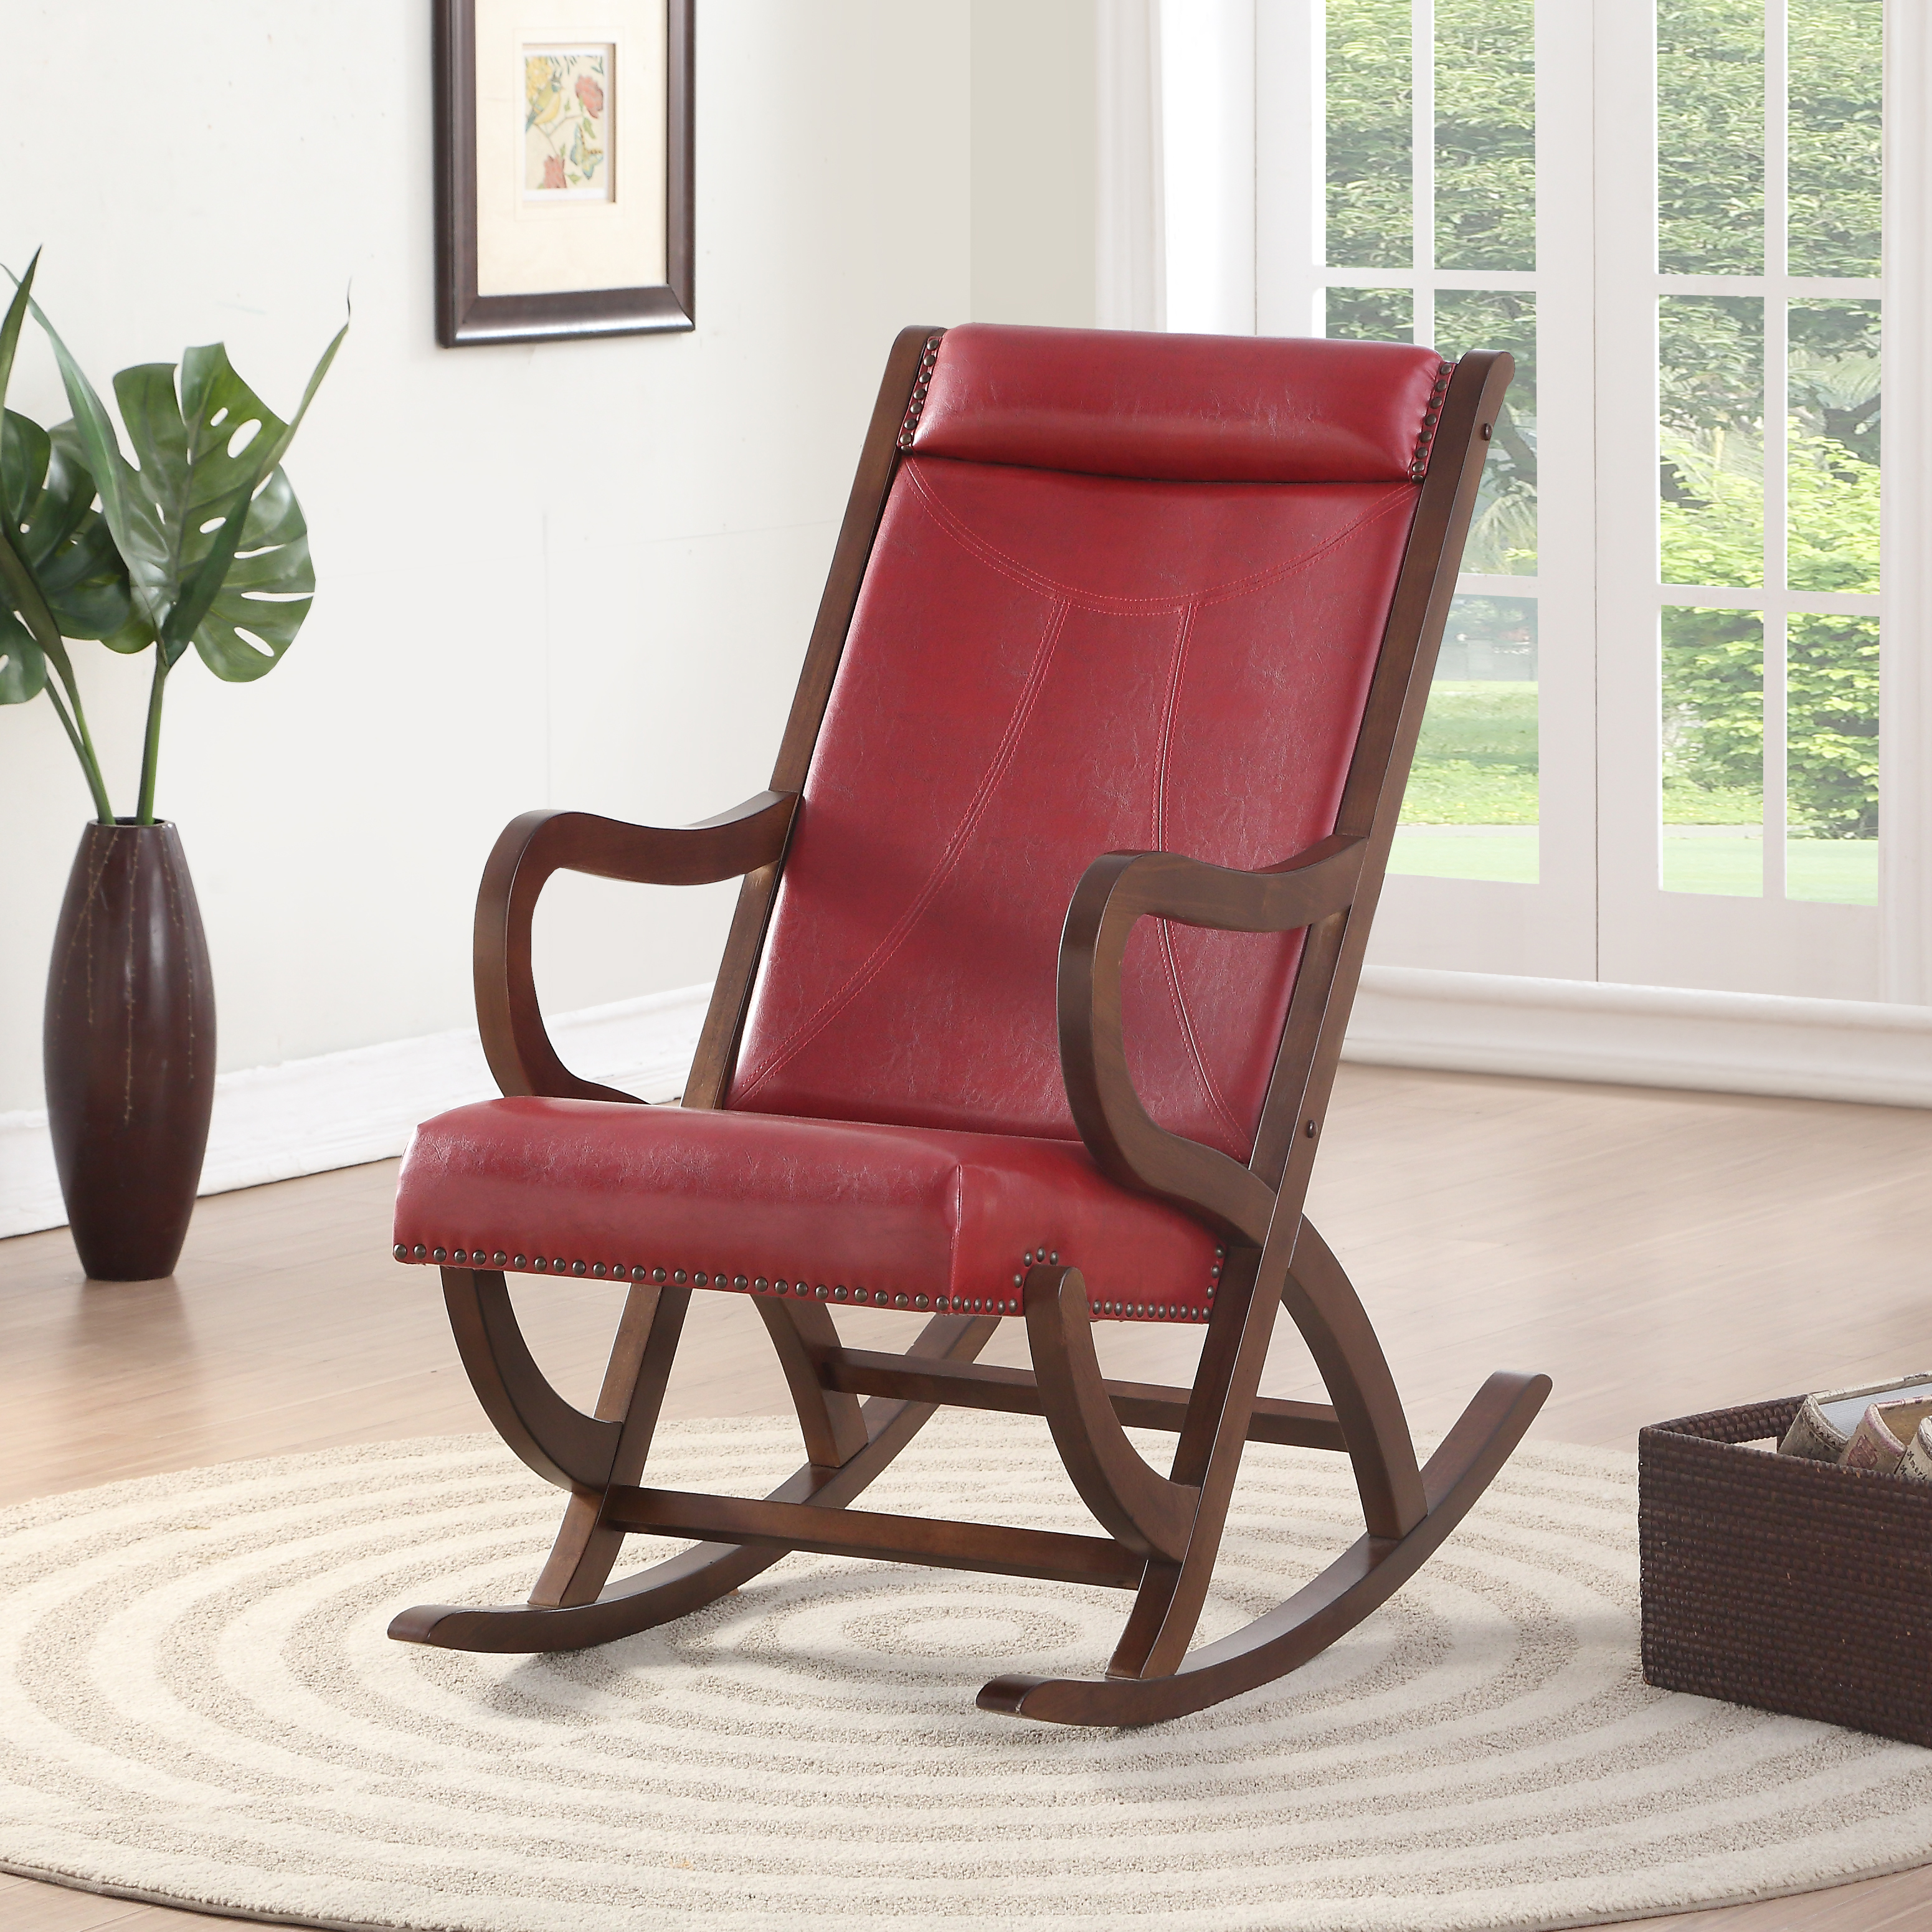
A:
(199, 541)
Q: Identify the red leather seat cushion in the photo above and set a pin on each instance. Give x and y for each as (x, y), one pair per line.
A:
(905, 1217)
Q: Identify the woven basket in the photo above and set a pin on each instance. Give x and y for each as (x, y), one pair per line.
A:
(1792, 1585)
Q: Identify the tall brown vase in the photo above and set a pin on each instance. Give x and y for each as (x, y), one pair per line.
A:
(129, 1047)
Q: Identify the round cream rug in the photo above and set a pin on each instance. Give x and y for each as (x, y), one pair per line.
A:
(198, 1704)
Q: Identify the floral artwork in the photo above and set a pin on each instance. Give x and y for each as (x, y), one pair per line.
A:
(567, 111)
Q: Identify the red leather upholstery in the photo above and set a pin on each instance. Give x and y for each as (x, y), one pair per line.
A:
(1095, 618)
(1223, 409)
(903, 1217)
(1042, 668)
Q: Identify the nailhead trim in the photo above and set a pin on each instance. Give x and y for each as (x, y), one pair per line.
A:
(852, 1294)
(1432, 413)
(922, 384)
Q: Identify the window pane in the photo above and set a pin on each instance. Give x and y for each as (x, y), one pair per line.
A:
(1372, 315)
(1834, 432)
(1713, 803)
(1711, 394)
(1836, 57)
(1502, 539)
(1486, 134)
(1471, 807)
(1831, 759)
(1710, 137)
(1371, 96)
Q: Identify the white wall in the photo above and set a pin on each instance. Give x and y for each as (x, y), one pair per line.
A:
(577, 574)
(1035, 147)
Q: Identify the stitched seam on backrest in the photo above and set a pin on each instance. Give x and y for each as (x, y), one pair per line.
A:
(808, 1030)
(1171, 965)
(949, 520)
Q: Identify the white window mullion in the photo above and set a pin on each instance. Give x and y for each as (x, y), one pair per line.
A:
(1905, 705)
(1422, 161)
(1777, 442)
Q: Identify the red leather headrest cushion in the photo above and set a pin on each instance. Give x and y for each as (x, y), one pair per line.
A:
(1198, 409)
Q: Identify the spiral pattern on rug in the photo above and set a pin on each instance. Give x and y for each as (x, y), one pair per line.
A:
(199, 1704)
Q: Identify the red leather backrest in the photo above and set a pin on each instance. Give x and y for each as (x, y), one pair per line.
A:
(1046, 663)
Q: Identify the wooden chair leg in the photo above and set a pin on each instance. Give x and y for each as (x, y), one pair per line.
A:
(1362, 1579)
(1407, 1512)
(1319, 1295)
(1151, 1514)
(580, 1453)
(586, 1550)
(803, 1334)
(1171, 1598)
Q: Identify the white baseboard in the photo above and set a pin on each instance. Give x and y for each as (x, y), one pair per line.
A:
(306, 1116)
(1643, 1036)
(273, 1123)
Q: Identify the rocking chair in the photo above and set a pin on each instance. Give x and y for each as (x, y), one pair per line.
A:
(1119, 629)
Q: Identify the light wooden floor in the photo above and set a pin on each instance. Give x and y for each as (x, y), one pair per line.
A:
(1656, 1252)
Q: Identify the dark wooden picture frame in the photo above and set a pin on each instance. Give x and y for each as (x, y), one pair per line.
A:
(464, 318)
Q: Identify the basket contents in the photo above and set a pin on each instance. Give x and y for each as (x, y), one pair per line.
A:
(1886, 1427)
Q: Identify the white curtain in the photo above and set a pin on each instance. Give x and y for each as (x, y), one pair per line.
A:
(1176, 229)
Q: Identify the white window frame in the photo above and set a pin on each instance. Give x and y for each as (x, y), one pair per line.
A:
(1203, 146)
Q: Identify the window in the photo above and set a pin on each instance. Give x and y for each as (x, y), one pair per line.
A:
(1651, 750)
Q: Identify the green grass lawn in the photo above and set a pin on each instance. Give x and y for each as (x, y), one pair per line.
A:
(1843, 871)
(1471, 809)
(1508, 853)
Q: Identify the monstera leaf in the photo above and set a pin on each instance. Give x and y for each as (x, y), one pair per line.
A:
(199, 540)
(46, 495)
(215, 545)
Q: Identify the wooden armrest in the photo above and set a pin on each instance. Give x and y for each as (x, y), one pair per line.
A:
(539, 843)
(1118, 890)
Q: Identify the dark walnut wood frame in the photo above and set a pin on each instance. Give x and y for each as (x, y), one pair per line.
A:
(1162, 1532)
(464, 317)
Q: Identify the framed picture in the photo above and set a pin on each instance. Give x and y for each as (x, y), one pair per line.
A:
(563, 168)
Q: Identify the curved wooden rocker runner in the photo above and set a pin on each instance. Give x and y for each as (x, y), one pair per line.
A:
(1090, 586)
